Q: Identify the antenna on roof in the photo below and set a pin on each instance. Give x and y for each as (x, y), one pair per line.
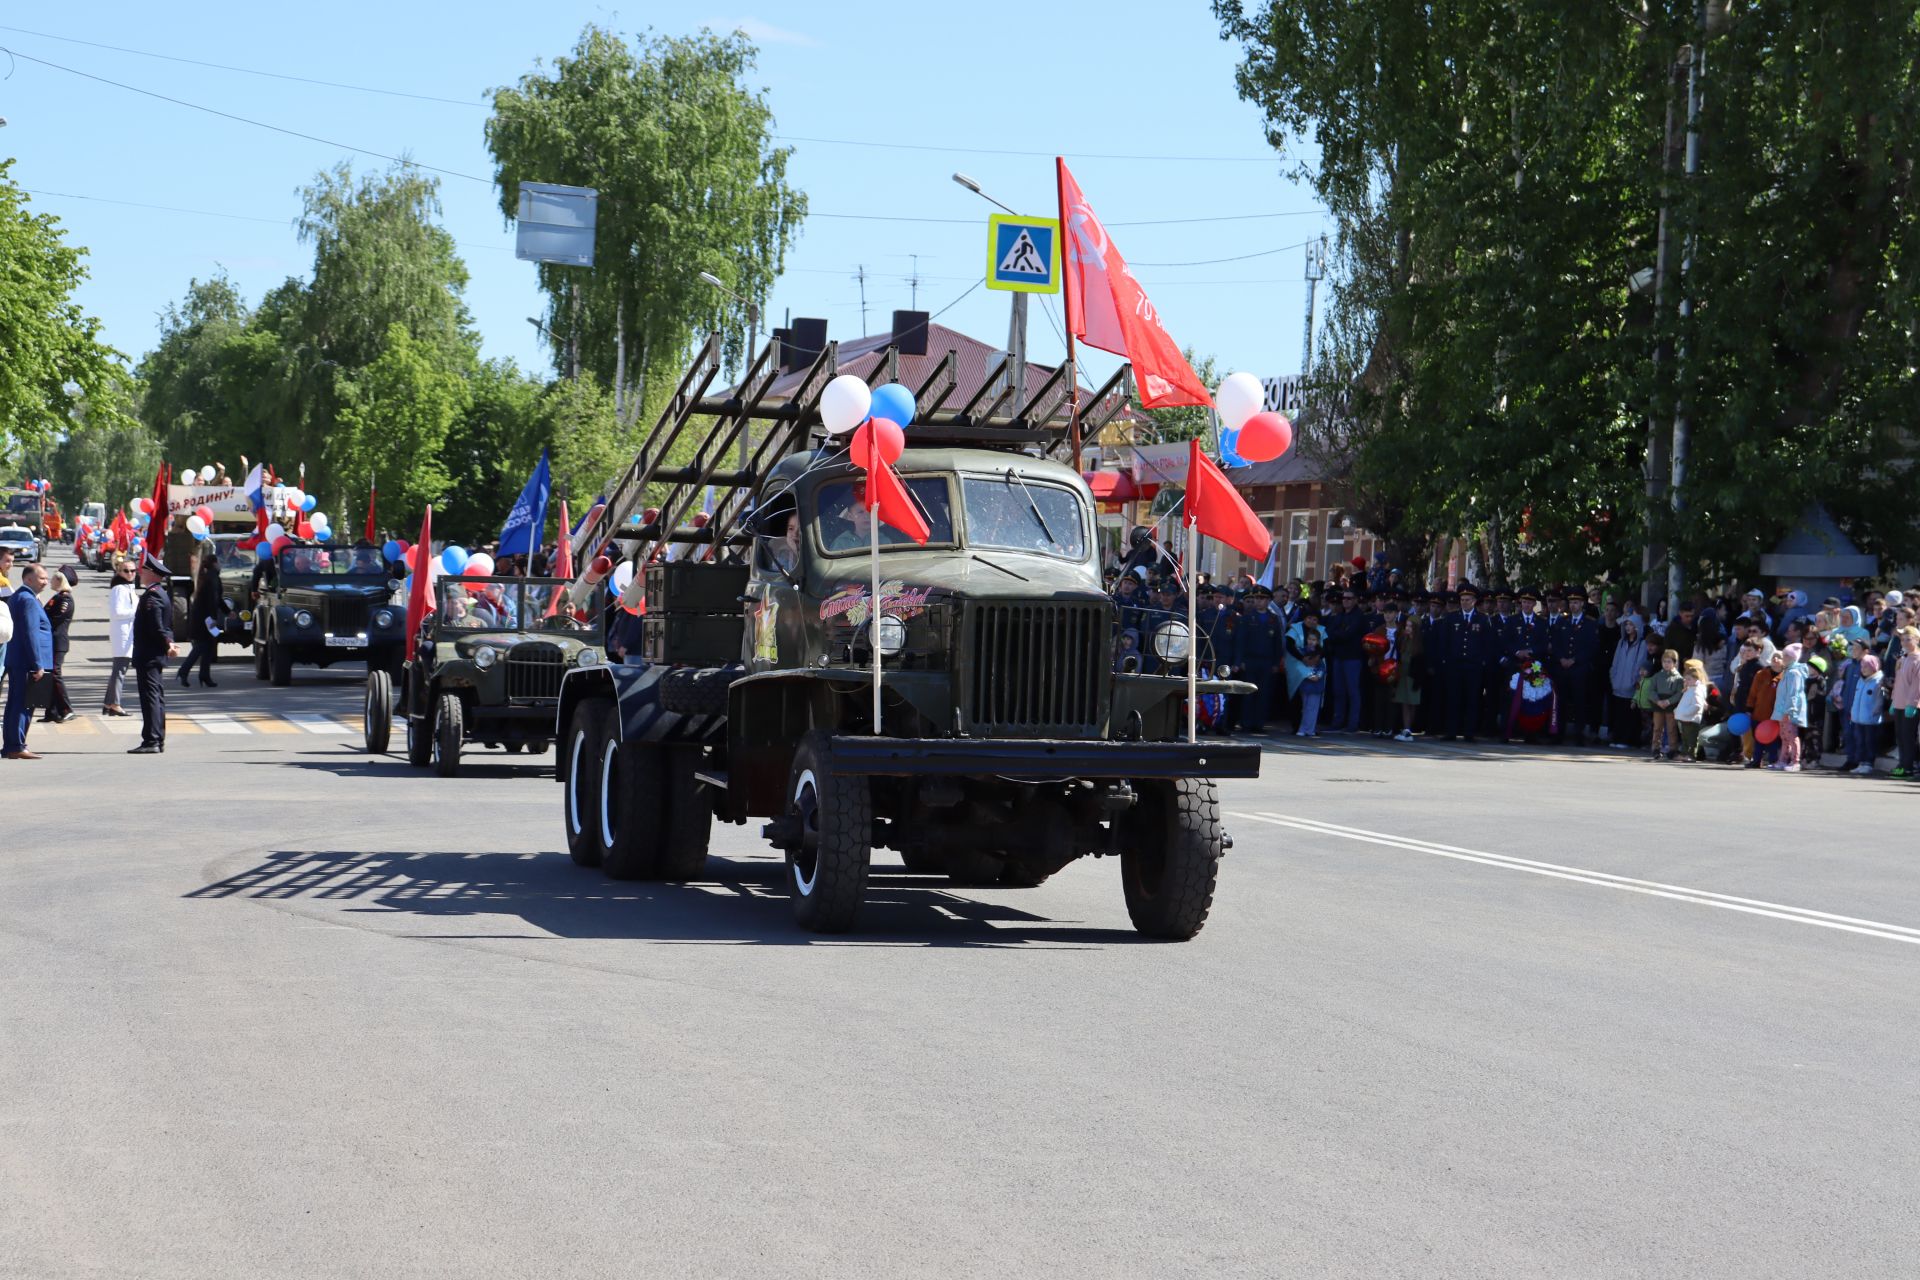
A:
(860, 274)
(913, 283)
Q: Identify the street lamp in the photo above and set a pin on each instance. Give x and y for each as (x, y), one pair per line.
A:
(753, 335)
(1017, 323)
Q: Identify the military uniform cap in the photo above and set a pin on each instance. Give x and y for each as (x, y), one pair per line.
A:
(1528, 593)
(1576, 591)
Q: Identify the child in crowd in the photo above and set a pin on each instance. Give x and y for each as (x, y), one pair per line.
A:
(1313, 684)
(1906, 699)
(1692, 708)
(1840, 691)
(1863, 717)
(1760, 707)
(1790, 705)
(1666, 689)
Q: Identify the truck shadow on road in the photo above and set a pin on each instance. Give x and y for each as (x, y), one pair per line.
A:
(734, 903)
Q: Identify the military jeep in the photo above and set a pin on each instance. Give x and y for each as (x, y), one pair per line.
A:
(1001, 744)
(321, 604)
(487, 670)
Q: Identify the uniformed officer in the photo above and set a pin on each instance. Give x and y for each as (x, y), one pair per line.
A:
(1216, 618)
(152, 646)
(1572, 646)
(1255, 646)
(1468, 647)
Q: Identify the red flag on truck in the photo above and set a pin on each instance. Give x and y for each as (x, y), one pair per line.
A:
(1107, 308)
(420, 597)
(1216, 509)
(890, 502)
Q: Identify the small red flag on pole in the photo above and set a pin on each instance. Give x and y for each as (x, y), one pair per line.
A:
(420, 597)
(373, 492)
(562, 560)
(156, 540)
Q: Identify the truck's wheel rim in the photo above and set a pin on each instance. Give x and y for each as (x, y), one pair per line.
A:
(607, 760)
(573, 781)
(806, 854)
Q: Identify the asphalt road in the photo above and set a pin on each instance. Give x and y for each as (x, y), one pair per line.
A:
(269, 1007)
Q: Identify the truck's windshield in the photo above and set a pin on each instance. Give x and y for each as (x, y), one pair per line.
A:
(1013, 512)
(23, 504)
(842, 520)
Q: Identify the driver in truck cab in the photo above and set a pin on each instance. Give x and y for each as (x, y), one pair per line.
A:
(844, 523)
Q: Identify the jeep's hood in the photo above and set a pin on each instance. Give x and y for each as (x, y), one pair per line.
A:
(969, 575)
(569, 642)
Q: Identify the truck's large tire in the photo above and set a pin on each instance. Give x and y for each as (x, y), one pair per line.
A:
(697, 691)
(827, 866)
(279, 665)
(449, 733)
(631, 830)
(1171, 859)
(579, 766)
(689, 817)
(378, 717)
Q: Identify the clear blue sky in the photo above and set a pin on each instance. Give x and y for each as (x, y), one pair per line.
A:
(1074, 77)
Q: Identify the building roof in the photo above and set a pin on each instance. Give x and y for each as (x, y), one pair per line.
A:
(1295, 466)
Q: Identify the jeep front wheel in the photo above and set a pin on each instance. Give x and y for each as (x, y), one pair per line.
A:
(832, 840)
(259, 660)
(579, 766)
(378, 719)
(1171, 859)
(449, 732)
(279, 665)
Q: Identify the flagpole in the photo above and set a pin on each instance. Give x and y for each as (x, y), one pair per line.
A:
(1066, 306)
(873, 604)
(1193, 638)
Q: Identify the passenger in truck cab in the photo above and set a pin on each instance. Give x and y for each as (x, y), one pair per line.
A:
(843, 521)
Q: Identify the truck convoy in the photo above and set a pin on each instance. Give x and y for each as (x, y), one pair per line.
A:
(1006, 745)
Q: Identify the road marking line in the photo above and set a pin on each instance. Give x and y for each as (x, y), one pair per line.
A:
(123, 726)
(180, 724)
(318, 724)
(260, 722)
(218, 722)
(1604, 879)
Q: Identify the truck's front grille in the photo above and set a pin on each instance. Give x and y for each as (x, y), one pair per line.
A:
(534, 671)
(1037, 670)
(346, 615)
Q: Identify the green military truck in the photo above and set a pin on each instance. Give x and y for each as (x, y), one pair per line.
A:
(1006, 745)
(320, 604)
(487, 670)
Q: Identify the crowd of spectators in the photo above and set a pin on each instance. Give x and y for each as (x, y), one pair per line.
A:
(1764, 680)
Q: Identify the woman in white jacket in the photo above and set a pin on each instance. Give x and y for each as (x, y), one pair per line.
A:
(123, 601)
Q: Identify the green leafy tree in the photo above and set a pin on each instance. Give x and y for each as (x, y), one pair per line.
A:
(492, 448)
(394, 419)
(106, 454)
(205, 385)
(591, 446)
(51, 358)
(681, 153)
(1171, 426)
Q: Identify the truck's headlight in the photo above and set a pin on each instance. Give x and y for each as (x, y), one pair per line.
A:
(384, 618)
(1173, 642)
(302, 619)
(485, 657)
(893, 634)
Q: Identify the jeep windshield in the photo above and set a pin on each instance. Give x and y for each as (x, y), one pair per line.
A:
(327, 562)
(230, 555)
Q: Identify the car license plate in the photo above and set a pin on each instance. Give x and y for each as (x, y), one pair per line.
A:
(345, 642)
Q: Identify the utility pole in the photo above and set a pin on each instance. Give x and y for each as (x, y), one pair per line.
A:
(860, 274)
(1316, 270)
(913, 283)
(1682, 424)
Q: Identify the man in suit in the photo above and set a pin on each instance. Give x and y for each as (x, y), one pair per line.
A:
(152, 646)
(1469, 646)
(29, 660)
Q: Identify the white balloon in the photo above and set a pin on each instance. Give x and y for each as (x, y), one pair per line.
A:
(622, 575)
(318, 520)
(207, 473)
(480, 564)
(845, 403)
(276, 531)
(1240, 396)
(196, 526)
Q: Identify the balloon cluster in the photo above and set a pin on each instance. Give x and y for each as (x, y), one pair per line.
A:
(878, 418)
(1248, 431)
(40, 486)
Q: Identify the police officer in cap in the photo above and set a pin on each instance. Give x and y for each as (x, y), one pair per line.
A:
(1468, 647)
(1255, 648)
(152, 646)
(1572, 645)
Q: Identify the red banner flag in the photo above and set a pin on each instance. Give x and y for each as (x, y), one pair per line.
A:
(562, 560)
(156, 539)
(1107, 308)
(373, 491)
(420, 597)
(890, 502)
(1216, 509)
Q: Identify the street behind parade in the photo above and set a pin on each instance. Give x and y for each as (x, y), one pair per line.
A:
(278, 1007)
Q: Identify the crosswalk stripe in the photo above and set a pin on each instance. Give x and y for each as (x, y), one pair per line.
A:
(260, 722)
(318, 724)
(180, 724)
(123, 726)
(218, 722)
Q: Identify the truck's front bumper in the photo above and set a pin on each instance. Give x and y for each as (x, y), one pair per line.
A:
(1042, 758)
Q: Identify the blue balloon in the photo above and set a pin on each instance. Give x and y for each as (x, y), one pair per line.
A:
(392, 550)
(199, 537)
(264, 552)
(323, 535)
(1229, 449)
(454, 560)
(308, 503)
(1740, 722)
(894, 403)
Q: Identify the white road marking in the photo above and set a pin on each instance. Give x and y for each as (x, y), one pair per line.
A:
(218, 722)
(124, 726)
(1603, 879)
(318, 724)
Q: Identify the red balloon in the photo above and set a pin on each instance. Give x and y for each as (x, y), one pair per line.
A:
(408, 557)
(1264, 437)
(1766, 731)
(206, 515)
(281, 544)
(143, 505)
(303, 531)
(883, 433)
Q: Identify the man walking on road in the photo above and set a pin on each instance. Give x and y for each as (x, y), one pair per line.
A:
(152, 646)
(29, 661)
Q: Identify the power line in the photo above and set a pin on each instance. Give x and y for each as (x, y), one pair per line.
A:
(1208, 262)
(1002, 151)
(245, 71)
(258, 124)
(216, 213)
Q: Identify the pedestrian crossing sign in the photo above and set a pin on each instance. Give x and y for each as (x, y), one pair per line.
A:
(1023, 254)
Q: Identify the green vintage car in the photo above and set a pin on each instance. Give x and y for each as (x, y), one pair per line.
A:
(320, 604)
(488, 670)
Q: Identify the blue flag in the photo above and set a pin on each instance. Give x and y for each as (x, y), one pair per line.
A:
(520, 535)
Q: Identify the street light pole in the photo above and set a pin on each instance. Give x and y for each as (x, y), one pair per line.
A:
(1017, 322)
